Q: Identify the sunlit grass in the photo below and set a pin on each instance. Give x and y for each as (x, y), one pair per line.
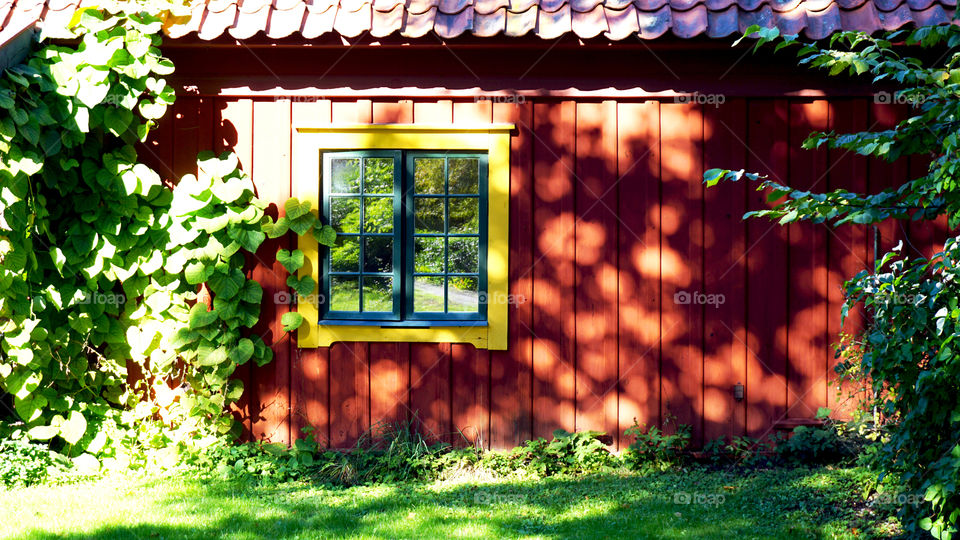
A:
(819, 503)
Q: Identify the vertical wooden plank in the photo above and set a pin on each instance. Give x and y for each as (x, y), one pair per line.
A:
(847, 245)
(359, 111)
(473, 112)
(433, 112)
(766, 252)
(349, 393)
(807, 347)
(553, 268)
(511, 370)
(725, 352)
(430, 389)
(638, 204)
(233, 130)
(389, 382)
(596, 286)
(681, 262)
(310, 368)
(393, 112)
(186, 135)
(471, 394)
(272, 179)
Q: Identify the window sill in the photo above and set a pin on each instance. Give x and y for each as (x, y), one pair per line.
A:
(402, 324)
(327, 333)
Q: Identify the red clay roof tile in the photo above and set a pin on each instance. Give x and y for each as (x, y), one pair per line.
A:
(387, 22)
(519, 24)
(317, 23)
(450, 26)
(722, 23)
(623, 22)
(418, 24)
(285, 22)
(548, 19)
(654, 24)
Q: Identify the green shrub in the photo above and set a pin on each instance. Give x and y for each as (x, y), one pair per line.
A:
(832, 442)
(24, 463)
(653, 447)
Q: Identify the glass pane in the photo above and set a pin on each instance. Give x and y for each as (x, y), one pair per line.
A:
(464, 255)
(378, 254)
(345, 254)
(464, 175)
(428, 255)
(345, 214)
(378, 175)
(464, 215)
(345, 175)
(378, 214)
(377, 293)
(462, 294)
(428, 214)
(428, 294)
(344, 293)
(428, 175)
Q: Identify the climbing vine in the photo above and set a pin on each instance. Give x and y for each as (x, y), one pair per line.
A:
(103, 267)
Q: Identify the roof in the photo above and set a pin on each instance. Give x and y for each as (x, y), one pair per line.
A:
(611, 19)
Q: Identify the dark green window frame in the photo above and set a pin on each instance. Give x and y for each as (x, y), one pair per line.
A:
(404, 240)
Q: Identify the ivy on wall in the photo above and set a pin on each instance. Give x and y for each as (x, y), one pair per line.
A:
(101, 262)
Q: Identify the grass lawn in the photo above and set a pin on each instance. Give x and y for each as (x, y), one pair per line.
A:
(815, 503)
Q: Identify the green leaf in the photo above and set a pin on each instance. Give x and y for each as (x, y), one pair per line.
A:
(291, 321)
(324, 234)
(43, 433)
(292, 261)
(226, 286)
(275, 229)
(242, 352)
(197, 272)
(117, 120)
(303, 223)
(303, 287)
(212, 357)
(73, 427)
(92, 95)
(295, 208)
(200, 317)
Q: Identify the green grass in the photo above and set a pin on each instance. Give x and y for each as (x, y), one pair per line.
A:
(817, 503)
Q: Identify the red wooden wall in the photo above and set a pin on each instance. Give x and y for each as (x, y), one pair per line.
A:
(609, 224)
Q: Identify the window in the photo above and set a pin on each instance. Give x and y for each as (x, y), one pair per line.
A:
(412, 236)
(422, 252)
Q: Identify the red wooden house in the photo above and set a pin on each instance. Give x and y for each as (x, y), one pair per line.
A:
(526, 241)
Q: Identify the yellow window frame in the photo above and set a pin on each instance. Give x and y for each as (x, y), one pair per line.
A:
(309, 144)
